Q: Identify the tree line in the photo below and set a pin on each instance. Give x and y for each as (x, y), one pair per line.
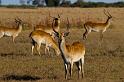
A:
(65, 3)
(78, 3)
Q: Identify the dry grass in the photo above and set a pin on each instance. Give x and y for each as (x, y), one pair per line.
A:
(102, 63)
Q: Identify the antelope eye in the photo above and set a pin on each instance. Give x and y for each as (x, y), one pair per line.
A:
(56, 34)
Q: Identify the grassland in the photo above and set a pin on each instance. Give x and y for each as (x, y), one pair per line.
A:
(102, 63)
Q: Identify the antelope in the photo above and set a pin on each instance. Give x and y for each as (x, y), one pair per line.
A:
(97, 27)
(11, 32)
(40, 37)
(71, 53)
(48, 29)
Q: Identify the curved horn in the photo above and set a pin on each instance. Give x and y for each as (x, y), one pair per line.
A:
(53, 27)
(15, 20)
(50, 15)
(18, 19)
(68, 27)
(108, 14)
(53, 17)
(105, 12)
(68, 24)
(58, 16)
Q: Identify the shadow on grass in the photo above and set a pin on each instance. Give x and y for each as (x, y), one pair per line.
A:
(6, 54)
(11, 54)
(20, 77)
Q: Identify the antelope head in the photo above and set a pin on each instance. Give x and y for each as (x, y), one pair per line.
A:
(56, 20)
(21, 24)
(62, 35)
(18, 21)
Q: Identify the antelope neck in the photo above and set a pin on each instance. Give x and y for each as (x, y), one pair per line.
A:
(107, 21)
(62, 48)
(20, 27)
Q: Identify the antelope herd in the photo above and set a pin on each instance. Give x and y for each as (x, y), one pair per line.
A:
(52, 37)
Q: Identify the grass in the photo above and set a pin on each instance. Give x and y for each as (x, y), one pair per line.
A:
(102, 63)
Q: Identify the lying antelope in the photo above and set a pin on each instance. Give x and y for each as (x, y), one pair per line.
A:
(71, 53)
(97, 27)
(11, 32)
(40, 37)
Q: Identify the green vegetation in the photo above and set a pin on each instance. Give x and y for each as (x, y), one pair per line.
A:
(97, 4)
(56, 3)
(19, 6)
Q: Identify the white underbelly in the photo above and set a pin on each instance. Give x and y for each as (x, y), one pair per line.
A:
(43, 41)
(73, 59)
(76, 58)
(39, 40)
(8, 33)
(96, 29)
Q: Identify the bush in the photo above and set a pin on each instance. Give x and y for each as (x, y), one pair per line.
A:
(98, 4)
(19, 6)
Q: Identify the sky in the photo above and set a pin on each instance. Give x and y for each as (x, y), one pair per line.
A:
(10, 1)
(17, 1)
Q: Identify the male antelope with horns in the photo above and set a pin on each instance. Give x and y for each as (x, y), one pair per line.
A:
(97, 27)
(71, 53)
(48, 29)
(11, 32)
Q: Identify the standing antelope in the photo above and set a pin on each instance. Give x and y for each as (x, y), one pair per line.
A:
(11, 32)
(71, 53)
(48, 29)
(40, 37)
(97, 27)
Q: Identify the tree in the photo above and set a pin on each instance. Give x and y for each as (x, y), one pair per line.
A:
(79, 3)
(52, 2)
(22, 2)
(49, 3)
(56, 2)
(65, 3)
(80, 0)
(38, 2)
(29, 1)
